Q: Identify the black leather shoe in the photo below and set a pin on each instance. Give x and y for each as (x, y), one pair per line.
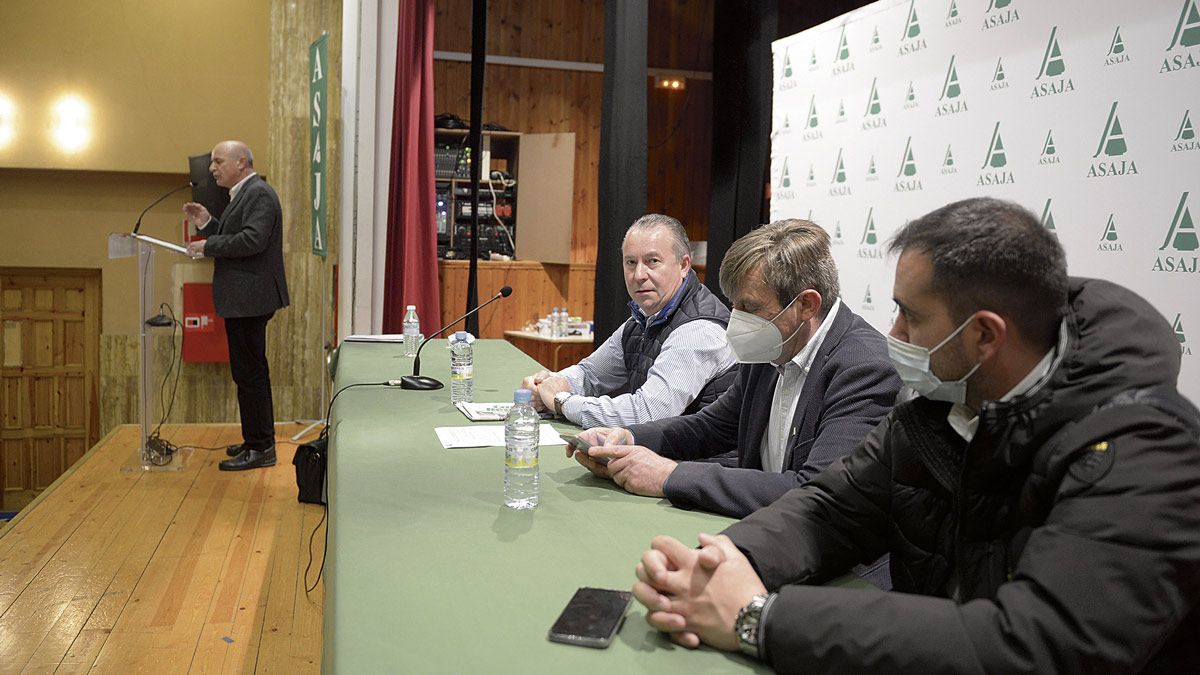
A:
(235, 450)
(250, 459)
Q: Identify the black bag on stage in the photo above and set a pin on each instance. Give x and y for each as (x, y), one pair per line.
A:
(310, 460)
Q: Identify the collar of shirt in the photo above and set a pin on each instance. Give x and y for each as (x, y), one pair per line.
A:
(805, 358)
(234, 190)
(639, 316)
(965, 421)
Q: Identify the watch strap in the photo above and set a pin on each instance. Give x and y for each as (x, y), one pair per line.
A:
(748, 626)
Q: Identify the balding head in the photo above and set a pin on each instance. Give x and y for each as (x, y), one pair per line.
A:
(231, 162)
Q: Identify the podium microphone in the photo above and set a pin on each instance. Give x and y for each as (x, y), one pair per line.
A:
(138, 225)
(420, 382)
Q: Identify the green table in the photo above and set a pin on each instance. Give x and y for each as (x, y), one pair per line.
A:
(427, 571)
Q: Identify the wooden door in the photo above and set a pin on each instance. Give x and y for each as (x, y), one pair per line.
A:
(50, 376)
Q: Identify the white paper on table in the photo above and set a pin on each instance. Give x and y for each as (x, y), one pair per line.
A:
(484, 412)
(386, 337)
(489, 435)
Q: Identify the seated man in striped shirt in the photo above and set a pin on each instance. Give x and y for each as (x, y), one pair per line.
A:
(815, 379)
(669, 358)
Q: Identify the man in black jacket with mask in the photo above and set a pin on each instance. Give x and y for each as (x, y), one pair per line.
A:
(1040, 499)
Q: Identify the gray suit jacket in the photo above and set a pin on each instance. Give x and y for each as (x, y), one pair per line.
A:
(247, 245)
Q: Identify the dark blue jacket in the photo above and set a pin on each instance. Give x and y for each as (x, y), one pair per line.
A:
(850, 388)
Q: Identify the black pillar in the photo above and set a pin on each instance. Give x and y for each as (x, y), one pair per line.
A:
(622, 185)
(741, 143)
(475, 142)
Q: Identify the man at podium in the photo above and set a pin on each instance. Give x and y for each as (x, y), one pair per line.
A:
(246, 244)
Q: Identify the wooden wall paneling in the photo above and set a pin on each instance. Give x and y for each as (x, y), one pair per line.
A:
(294, 339)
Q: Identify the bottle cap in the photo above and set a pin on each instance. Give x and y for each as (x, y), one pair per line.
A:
(461, 335)
(412, 307)
(522, 396)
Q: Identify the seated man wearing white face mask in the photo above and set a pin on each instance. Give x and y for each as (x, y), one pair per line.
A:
(814, 380)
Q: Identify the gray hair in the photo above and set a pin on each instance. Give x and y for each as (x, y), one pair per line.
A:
(791, 255)
(654, 221)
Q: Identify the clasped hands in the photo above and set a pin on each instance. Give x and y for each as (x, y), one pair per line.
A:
(637, 469)
(693, 595)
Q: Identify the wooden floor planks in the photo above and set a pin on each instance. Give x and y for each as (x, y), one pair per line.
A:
(175, 572)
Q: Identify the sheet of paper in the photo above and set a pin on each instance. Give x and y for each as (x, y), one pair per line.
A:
(489, 435)
(483, 412)
(388, 337)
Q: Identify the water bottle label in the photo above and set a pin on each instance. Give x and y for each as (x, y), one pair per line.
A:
(461, 372)
(521, 461)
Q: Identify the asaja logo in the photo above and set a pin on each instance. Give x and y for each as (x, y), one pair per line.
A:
(1177, 326)
(1048, 219)
(868, 246)
(948, 162)
(783, 189)
(839, 187)
(1185, 138)
(999, 13)
(875, 46)
(1113, 148)
(812, 62)
(837, 234)
(811, 131)
(841, 60)
(1181, 238)
(1116, 50)
(871, 174)
(950, 102)
(952, 18)
(911, 40)
(841, 114)
(1186, 35)
(998, 81)
(1049, 152)
(866, 303)
(906, 178)
(812, 177)
(785, 178)
(874, 120)
(993, 171)
(910, 98)
(1050, 79)
(787, 63)
(1109, 242)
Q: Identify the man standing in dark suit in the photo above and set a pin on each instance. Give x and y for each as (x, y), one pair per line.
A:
(248, 287)
(815, 379)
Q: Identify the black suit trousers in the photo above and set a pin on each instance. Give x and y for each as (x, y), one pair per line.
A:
(247, 337)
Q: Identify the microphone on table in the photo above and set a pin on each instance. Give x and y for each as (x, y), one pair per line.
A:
(421, 382)
(138, 225)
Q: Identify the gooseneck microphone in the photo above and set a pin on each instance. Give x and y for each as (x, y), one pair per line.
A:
(138, 225)
(421, 382)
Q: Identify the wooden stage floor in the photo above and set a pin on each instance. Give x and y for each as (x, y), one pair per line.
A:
(193, 571)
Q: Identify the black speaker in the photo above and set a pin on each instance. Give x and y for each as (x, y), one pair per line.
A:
(206, 191)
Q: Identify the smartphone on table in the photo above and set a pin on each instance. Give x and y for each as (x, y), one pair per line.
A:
(582, 446)
(591, 618)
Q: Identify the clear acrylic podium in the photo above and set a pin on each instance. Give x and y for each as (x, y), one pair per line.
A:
(149, 455)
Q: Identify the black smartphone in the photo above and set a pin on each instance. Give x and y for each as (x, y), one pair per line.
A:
(582, 446)
(591, 618)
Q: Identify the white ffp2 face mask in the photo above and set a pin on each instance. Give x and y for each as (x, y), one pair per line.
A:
(912, 365)
(754, 339)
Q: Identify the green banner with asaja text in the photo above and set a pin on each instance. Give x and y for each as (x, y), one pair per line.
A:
(318, 96)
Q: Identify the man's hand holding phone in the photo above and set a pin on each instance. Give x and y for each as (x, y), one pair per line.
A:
(577, 446)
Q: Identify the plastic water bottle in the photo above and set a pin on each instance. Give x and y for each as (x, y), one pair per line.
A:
(521, 453)
(462, 368)
(412, 331)
(564, 322)
(554, 322)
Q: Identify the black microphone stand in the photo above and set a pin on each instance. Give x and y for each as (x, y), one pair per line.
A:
(138, 225)
(420, 382)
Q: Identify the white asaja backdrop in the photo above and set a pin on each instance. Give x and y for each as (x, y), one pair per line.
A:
(1085, 112)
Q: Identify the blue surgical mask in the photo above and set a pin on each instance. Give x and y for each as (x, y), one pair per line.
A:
(912, 364)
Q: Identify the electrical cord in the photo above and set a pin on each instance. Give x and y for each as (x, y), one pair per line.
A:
(325, 511)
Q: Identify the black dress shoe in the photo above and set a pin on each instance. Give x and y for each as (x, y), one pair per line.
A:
(250, 459)
(235, 450)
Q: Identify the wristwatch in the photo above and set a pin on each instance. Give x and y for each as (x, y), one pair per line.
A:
(559, 399)
(747, 624)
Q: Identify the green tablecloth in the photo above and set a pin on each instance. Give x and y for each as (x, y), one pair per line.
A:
(427, 571)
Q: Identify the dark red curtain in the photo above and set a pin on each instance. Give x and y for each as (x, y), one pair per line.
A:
(410, 273)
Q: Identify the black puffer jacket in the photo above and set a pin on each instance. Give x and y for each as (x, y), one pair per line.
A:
(1064, 538)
